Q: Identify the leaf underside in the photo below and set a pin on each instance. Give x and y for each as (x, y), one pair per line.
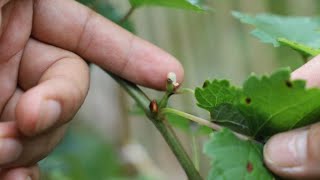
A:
(263, 106)
(300, 33)
(232, 158)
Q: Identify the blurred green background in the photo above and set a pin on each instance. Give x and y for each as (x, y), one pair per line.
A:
(109, 139)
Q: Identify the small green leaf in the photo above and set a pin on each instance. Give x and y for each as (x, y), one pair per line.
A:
(215, 93)
(181, 4)
(232, 158)
(263, 106)
(300, 33)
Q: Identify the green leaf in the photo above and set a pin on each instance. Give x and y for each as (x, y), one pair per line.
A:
(264, 105)
(232, 158)
(219, 91)
(180, 4)
(300, 33)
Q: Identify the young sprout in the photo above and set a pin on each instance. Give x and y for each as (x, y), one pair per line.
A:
(172, 83)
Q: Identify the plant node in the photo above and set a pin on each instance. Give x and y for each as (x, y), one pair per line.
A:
(154, 109)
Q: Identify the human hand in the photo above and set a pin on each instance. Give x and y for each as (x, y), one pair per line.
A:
(44, 79)
(296, 154)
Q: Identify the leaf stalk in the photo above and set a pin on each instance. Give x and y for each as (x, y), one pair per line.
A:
(127, 15)
(200, 121)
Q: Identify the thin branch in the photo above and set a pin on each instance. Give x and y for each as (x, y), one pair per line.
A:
(200, 121)
(126, 17)
(195, 152)
(185, 90)
(143, 101)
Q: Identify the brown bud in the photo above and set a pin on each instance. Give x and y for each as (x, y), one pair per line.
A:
(154, 106)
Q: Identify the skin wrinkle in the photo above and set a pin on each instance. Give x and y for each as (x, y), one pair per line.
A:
(4, 20)
(43, 72)
(127, 57)
(62, 76)
(26, 69)
(79, 45)
(17, 41)
(8, 113)
(4, 30)
(69, 36)
(114, 66)
(10, 86)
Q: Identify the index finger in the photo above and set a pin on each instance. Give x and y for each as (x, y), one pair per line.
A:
(310, 72)
(72, 26)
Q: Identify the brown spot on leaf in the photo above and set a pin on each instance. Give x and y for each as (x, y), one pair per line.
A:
(249, 167)
(289, 84)
(248, 100)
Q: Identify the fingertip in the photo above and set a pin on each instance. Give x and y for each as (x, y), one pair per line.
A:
(310, 72)
(172, 66)
(179, 72)
(152, 66)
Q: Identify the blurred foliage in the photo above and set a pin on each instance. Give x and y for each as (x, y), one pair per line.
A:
(85, 155)
(300, 33)
(82, 155)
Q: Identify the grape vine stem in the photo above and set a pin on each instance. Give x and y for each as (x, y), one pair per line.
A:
(161, 124)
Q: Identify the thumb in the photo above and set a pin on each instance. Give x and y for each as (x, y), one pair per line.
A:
(296, 154)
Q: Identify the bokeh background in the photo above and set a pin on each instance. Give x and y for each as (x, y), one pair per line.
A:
(110, 139)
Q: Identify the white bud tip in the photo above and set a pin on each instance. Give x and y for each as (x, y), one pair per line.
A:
(173, 77)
